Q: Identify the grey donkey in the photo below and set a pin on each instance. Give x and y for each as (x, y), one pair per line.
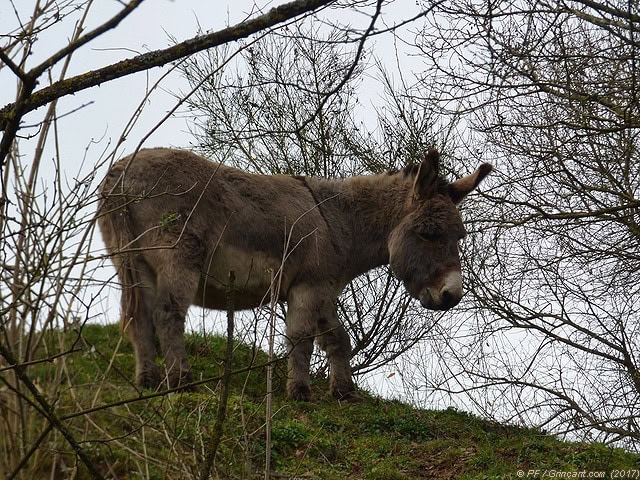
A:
(175, 225)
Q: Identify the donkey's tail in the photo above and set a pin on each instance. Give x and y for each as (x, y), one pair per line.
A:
(116, 232)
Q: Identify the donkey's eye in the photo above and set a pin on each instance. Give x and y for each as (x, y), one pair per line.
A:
(428, 236)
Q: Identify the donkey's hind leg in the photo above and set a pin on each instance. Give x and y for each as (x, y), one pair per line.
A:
(176, 286)
(139, 328)
(334, 340)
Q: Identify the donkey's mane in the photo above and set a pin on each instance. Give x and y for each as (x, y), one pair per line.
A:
(410, 171)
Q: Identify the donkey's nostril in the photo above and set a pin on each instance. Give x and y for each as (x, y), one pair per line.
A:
(426, 300)
(449, 299)
(446, 297)
(443, 299)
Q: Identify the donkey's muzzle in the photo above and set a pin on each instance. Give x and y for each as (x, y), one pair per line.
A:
(447, 295)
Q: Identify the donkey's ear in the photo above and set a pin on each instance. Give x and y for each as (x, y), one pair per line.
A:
(464, 186)
(427, 176)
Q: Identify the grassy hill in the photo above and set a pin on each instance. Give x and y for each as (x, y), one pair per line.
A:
(130, 434)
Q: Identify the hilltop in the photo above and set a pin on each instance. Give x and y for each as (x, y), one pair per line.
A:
(133, 434)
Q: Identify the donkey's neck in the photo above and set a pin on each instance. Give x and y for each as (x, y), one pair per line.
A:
(365, 209)
(374, 204)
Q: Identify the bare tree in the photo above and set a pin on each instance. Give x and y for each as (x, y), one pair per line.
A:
(550, 93)
(282, 105)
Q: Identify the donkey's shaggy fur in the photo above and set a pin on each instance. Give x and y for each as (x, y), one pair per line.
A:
(176, 224)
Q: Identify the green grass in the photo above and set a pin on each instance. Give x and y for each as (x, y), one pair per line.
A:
(165, 436)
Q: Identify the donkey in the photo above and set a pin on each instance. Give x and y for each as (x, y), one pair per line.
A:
(176, 224)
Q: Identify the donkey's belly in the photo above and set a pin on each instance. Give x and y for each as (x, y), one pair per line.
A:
(253, 273)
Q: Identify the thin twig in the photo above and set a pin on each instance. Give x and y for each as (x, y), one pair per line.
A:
(218, 428)
(269, 407)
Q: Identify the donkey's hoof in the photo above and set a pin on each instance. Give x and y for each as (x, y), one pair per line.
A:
(350, 396)
(180, 379)
(299, 392)
(149, 377)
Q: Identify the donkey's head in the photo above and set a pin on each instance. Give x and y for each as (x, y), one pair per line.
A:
(423, 248)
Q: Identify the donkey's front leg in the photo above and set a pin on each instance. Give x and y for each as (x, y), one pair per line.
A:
(302, 314)
(334, 340)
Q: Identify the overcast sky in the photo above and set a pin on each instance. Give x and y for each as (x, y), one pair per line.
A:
(105, 110)
(150, 27)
